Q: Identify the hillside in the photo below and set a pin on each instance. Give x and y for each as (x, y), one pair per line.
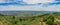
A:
(39, 19)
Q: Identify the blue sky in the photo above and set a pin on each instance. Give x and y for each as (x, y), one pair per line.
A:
(52, 5)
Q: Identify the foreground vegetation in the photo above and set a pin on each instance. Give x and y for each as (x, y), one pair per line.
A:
(44, 19)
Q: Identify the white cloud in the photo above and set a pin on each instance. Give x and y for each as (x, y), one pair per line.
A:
(7, 1)
(33, 8)
(2, 1)
(38, 1)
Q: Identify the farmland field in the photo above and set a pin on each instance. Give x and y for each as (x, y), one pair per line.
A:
(29, 18)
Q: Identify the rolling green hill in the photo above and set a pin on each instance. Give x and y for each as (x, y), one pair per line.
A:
(37, 19)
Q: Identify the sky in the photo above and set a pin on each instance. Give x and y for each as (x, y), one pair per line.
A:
(46, 5)
(37, 1)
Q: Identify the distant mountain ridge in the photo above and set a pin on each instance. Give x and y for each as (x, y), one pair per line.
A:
(21, 13)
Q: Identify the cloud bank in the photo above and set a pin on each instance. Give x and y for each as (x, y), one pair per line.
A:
(31, 8)
(38, 1)
(41, 7)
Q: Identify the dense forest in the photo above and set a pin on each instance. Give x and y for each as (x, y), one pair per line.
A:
(43, 19)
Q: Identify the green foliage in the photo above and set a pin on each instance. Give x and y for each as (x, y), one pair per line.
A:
(50, 21)
(31, 20)
(1, 15)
